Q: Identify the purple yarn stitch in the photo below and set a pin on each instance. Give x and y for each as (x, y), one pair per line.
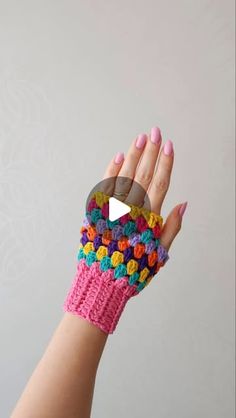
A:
(151, 246)
(97, 242)
(134, 239)
(84, 239)
(128, 254)
(162, 254)
(101, 226)
(117, 232)
(143, 262)
(152, 271)
(89, 219)
(85, 222)
(112, 246)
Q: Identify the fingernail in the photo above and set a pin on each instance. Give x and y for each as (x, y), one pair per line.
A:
(168, 147)
(119, 157)
(182, 208)
(155, 135)
(140, 141)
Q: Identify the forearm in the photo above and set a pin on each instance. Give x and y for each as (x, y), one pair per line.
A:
(63, 382)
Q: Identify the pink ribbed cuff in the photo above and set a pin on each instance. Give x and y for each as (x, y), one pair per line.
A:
(96, 296)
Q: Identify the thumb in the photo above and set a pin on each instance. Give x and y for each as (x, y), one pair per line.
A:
(172, 225)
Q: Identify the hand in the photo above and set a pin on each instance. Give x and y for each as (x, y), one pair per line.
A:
(118, 259)
(150, 165)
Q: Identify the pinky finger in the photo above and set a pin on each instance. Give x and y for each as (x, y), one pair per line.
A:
(172, 225)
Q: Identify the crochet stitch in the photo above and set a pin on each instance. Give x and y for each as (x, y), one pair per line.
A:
(116, 260)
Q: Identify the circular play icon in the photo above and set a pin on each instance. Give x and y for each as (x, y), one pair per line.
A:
(123, 193)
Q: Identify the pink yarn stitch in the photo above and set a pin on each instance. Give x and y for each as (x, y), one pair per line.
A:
(96, 296)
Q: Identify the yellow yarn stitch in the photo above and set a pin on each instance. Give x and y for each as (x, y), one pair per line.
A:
(143, 274)
(154, 219)
(151, 217)
(101, 198)
(135, 211)
(117, 258)
(132, 266)
(88, 247)
(101, 252)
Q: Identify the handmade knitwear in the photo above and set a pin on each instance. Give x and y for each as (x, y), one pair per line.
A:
(116, 260)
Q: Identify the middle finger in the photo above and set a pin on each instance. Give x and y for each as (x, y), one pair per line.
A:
(145, 169)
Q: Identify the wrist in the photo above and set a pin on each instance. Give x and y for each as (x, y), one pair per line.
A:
(97, 297)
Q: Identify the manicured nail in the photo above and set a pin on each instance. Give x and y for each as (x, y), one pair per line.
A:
(155, 135)
(119, 157)
(168, 147)
(141, 141)
(182, 208)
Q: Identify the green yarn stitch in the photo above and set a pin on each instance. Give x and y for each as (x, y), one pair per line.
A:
(105, 263)
(91, 257)
(120, 271)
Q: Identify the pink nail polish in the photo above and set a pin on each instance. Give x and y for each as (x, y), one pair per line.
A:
(141, 141)
(155, 135)
(182, 208)
(168, 147)
(119, 157)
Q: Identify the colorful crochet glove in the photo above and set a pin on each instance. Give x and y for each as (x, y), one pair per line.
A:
(116, 260)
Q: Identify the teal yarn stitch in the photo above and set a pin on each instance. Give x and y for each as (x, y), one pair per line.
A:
(146, 236)
(140, 286)
(91, 257)
(111, 224)
(120, 271)
(81, 254)
(157, 241)
(96, 214)
(105, 263)
(129, 228)
(133, 278)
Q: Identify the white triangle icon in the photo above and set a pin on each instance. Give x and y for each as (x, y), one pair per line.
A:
(117, 209)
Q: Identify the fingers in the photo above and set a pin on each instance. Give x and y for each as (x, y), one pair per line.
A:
(144, 172)
(111, 172)
(114, 166)
(127, 172)
(161, 179)
(172, 225)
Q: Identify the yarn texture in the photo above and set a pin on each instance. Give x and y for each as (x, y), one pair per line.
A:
(116, 260)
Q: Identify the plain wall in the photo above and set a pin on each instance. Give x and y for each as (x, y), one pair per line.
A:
(78, 81)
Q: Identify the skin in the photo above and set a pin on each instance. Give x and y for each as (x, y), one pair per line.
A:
(62, 384)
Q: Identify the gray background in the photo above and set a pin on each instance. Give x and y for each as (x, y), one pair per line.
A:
(78, 81)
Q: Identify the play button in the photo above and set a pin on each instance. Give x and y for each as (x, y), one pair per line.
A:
(117, 209)
(119, 189)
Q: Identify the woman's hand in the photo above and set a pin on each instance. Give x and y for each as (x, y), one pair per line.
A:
(150, 165)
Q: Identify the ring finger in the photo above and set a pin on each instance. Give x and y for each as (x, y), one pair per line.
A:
(161, 179)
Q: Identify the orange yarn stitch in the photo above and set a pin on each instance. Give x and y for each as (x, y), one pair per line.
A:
(152, 258)
(139, 250)
(107, 237)
(123, 243)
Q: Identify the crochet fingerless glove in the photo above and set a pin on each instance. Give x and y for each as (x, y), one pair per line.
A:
(116, 260)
